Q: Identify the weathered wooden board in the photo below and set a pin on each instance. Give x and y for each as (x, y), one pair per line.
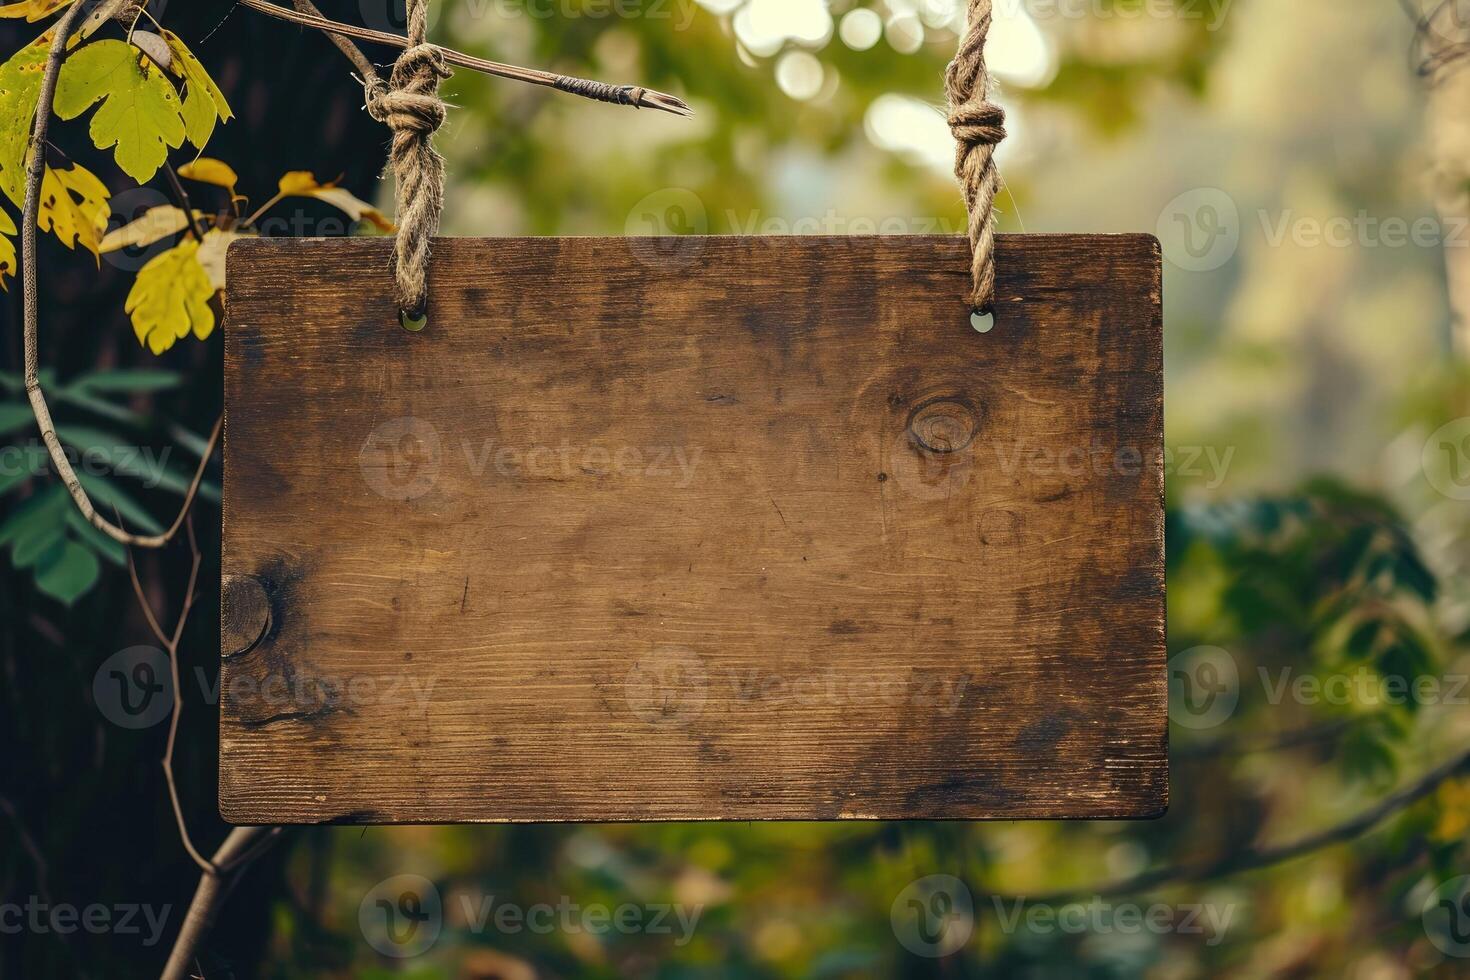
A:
(723, 528)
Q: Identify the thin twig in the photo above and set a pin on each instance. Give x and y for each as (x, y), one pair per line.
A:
(171, 645)
(181, 198)
(1254, 858)
(633, 95)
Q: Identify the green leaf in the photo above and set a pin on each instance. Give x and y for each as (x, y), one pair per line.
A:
(140, 113)
(131, 380)
(112, 550)
(203, 100)
(68, 573)
(14, 417)
(44, 507)
(16, 470)
(108, 497)
(39, 538)
(124, 457)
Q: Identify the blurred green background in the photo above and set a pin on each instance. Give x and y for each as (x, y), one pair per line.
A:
(1307, 175)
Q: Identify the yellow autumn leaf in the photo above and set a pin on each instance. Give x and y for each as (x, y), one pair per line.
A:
(171, 298)
(212, 253)
(203, 101)
(153, 225)
(74, 206)
(7, 248)
(208, 170)
(33, 10)
(20, 86)
(301, 183)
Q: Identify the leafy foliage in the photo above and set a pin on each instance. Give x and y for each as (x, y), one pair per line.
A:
(140, 115)
(45, 533)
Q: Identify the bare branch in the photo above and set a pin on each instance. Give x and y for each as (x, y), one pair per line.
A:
(243, 843)
(365, 68)
(633, 95)
(1253, 858)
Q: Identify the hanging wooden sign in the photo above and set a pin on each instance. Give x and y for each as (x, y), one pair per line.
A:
(695, 528)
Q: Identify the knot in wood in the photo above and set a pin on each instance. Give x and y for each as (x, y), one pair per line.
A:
(944, 425)
(244, 614)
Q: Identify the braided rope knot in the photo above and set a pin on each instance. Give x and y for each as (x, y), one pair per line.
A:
(410, 106)
(978, 125)
(412, 102)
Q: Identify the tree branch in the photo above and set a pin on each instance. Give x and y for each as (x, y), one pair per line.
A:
(633, 95)
(1254, 858)
(242, 845)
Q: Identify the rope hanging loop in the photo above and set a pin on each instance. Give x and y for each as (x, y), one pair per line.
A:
(978, 126)
(409, 104)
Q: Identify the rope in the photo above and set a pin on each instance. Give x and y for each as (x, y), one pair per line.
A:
(978, 126)
(410, 105)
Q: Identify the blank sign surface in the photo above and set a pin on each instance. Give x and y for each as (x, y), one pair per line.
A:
(710, 528)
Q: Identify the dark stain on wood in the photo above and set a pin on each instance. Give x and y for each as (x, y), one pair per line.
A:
(770, 533)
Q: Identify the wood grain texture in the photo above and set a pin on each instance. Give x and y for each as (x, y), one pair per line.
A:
(717, 528)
